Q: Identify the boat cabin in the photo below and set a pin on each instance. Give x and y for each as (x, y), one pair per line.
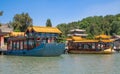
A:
(33, 37)
(100, 43)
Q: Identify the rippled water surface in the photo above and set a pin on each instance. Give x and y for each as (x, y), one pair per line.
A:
(64, 64)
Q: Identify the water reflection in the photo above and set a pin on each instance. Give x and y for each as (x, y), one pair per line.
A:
(65, 64)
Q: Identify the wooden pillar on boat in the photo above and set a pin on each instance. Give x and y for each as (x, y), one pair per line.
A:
(8, 45)
(96, 46)
(23, 43)
(15, 45)
(34, 42)
(12, 45)
(19, 44)
(28, 43)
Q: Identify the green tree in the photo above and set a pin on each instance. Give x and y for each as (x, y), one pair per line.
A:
(63, 28)
(48, 23)
(21, 22)
(1, 13)
(94, 25)
(115, 27)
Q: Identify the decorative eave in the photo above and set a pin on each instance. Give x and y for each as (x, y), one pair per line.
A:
(77, 34)
(80, 30)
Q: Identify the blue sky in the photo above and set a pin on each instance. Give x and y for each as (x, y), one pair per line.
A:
(59, 11)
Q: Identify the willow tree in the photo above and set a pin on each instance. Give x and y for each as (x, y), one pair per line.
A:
(48, 23)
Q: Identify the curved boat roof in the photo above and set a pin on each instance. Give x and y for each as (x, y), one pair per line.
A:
(103, 36)
(17, 34)
(44, 29)
(79, 39)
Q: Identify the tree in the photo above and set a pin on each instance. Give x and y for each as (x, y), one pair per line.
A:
(63, 28)
(48, 23)
(21, 22)
(1, 13)
(94, 25)
(115, 27)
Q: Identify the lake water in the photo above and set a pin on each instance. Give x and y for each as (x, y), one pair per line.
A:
(64, 64)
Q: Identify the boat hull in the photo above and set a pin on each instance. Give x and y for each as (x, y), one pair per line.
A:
(107, 51)
(44, 49)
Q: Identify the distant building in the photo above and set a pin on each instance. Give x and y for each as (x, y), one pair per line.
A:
(5, 30)
(77, 32)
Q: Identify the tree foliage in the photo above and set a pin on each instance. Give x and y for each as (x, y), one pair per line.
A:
(21, 22)
(1, 13)
(94, 25)
(48, 23)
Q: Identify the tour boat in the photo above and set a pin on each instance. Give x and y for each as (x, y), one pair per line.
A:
(101, 45)
(37, 41)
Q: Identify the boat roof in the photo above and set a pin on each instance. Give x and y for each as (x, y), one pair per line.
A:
(17, 34)
(44, 29)
(69, 39)
(80, 39)
(103, 36)
(76, 38)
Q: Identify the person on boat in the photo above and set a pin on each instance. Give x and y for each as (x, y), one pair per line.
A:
(98, 46)
(114, 47)
(66, 47)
